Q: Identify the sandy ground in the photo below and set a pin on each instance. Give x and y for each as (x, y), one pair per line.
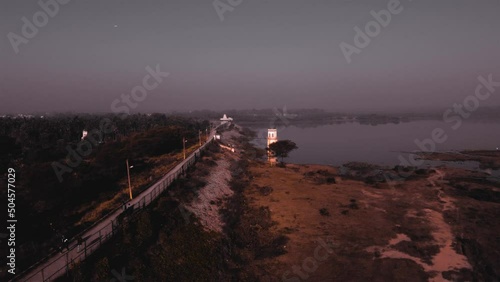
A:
(433, 227)
(447, 259)
(211, 198)
(205, 205)
(376, 232)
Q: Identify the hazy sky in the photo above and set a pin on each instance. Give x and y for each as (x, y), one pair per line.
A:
(262, 54)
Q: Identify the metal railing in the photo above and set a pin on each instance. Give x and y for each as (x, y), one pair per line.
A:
(56, 265)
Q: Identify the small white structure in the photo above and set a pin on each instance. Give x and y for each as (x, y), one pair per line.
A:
(272, 136)
(84, 134)
(225, 119)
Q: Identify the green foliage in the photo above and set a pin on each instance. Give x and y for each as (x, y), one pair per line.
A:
(282, 148)
(76, 273)
(31, 145)
(8, 150)
(171, 250)
(188, 254)
(102, 270)
(164, 242)
(250, 230)
(144, 228)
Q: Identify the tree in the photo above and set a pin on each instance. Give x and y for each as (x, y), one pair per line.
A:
(282, 148)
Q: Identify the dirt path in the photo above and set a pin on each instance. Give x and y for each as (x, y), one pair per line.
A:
(211, 198)
(207, 204)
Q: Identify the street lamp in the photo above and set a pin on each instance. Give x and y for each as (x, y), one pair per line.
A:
(184, 146)
(128, 175)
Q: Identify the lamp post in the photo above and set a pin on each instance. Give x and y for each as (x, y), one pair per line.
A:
(184, 146)
(128, 175)
(199, 137)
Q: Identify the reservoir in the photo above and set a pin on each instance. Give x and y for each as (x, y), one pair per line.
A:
(336, 144)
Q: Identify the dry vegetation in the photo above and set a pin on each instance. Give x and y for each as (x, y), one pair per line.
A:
(437, 226)
(487, 159)
(309, 222)
(92, 184)
(160, 165)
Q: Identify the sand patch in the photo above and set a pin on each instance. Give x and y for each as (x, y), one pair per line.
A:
(447, 258)
(210, 199)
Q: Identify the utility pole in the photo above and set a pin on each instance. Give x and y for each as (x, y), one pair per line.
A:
(184, 146)
(129, 186)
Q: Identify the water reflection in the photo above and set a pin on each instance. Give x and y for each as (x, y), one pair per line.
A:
(382, 144)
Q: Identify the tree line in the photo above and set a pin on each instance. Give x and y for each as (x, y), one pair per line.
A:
(33, 145)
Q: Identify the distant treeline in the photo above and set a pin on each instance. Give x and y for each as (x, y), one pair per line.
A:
(44, 139)
(299, 117)
(312, 117)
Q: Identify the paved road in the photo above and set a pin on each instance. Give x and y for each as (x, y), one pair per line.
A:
(56, 265)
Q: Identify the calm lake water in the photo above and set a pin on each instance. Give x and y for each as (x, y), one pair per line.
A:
(380, 144)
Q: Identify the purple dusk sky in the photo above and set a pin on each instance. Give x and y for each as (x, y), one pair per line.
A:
(262, 54)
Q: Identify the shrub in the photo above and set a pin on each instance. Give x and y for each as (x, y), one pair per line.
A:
(324, 212)
(353, 205)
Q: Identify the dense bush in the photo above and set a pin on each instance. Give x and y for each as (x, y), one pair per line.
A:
(33, 145)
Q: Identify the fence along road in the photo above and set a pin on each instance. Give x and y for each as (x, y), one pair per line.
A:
(56, 265)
